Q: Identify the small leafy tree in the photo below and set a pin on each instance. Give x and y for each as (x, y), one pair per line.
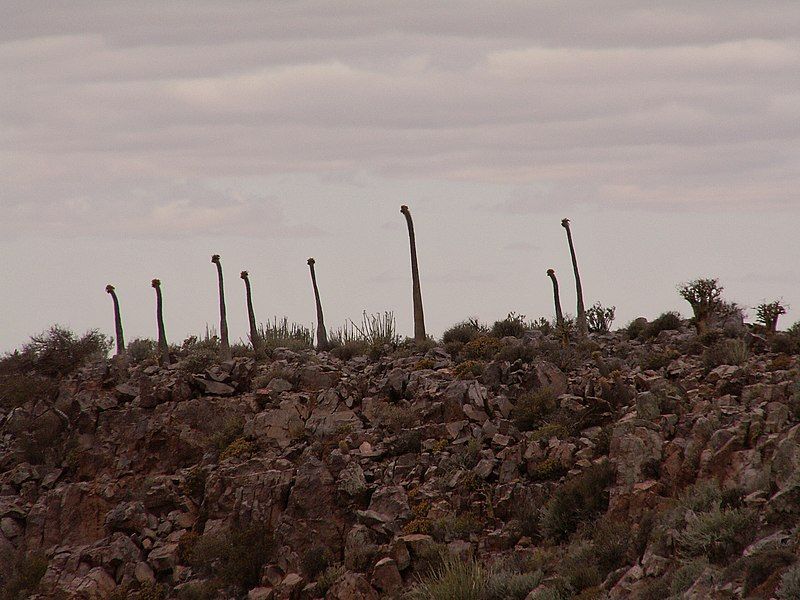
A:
(599, 318)
(705, 298)
(768, 314)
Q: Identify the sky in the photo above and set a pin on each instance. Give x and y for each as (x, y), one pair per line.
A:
(139, 138)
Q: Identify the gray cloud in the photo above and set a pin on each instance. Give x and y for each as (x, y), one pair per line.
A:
(306, 123)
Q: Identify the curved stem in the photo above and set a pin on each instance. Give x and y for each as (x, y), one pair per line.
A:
(255, 339)
(163, 347)
(583, 328)
(117, 321)
(322, 335)
(225, 347)
(419, 315)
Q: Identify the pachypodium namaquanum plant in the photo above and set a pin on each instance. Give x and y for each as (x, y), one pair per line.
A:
(163, 347)
(322, 336)
(557, 299)
(419, 315)
(225, 347)
(117, 320)
(705, 297)
(580, 322)
(255, 339)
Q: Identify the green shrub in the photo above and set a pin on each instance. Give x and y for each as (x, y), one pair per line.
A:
(469, 369)
(686, 575)
(464, 580)
(281, 333)
(760, 566)
(510, 585)
(532, 409)
(315, 561)
(56, 352)
(234, 557)
(789, 588)
(18, 389)
(717, 534)
(667, 321)
(140, 350)
(783, 343)
(454, 527)
(351, 349)
(24, 577)
(408, 441)
(230, 431)
(481, 348)
(725, 352)
(328, 578)
(464, 332)
(513, 325)
(705, 298)
(576, 501)
(549, 468)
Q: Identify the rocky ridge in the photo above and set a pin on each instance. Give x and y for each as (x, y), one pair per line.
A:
(618, 468)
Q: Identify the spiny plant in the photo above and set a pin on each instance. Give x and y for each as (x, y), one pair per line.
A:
(768, 314)
(322, 336)
(556, 298)
(599, 317)
(117, 320)
(705, 297)
(255, 338)
(581, 319)
(419, 316)
(163, 347)
(225, 347)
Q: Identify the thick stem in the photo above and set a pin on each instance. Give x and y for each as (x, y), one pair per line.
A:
(163, 347)
(556, 298)
(225, 347)
(255, 339)
(117, 321)
(419, 315)
(583, 328)
(322, 335)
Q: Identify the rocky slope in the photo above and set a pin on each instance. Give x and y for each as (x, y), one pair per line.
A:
(617, 468)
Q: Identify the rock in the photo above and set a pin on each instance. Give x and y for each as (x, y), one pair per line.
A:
(163, 557)
(143, 573)
(386, 576)
(126, 516)
(96, 584)
(391, 501)
(289, 588)
(351, 586)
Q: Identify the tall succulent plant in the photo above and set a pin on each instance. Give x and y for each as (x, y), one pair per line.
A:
(583, 328)
(225, 347)
(557, 299)
(419, 315)
(255, 339)
(117, 321)
(163, 347)
(322, 336)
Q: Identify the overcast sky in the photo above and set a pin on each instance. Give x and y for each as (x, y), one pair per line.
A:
(138, 138)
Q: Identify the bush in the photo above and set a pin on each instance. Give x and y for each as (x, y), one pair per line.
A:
(350, 350)
(768, 314)
(782, 343)
(668, 321)
(761, 566)
(510, 585)
(789, 589)
(725, 352)
(599, 318)
(24, 579)
(56, 352)
(470, 369)
(513, 325)
(18, 389)
(716, 534)
(470, 580)
(280, 333)
(328, 578)
(481, 348)
(234, 557)
(141, 350)
(454, 527)
(533, 408)
(464, 332)
(315, 561)
(576, 501)
(686, 575)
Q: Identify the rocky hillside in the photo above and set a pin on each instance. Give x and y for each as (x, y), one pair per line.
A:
(647, 463)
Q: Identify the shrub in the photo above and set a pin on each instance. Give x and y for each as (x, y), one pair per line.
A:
(514, 352)
(716, 534)
(234, 557)
(789, 589)
(481, 348)
(56, 352)
(453, 527)
(686, 575)
(230, 430)
(17, 389)
(533, 408)
(141, 350)
(24, 577)
(761, 566)
(510, 585)
(315, 561)
(409, 441)
(238, 447)
(350, 350)
(464, 332)
(328, 578)
(599, 318)
(667, 321)
(280, 333)
(549, 468)
(725, 352)
(470, 369)
(782, 343)
(464, 580)
(393, 417)
(576, 501)
(513, 325)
